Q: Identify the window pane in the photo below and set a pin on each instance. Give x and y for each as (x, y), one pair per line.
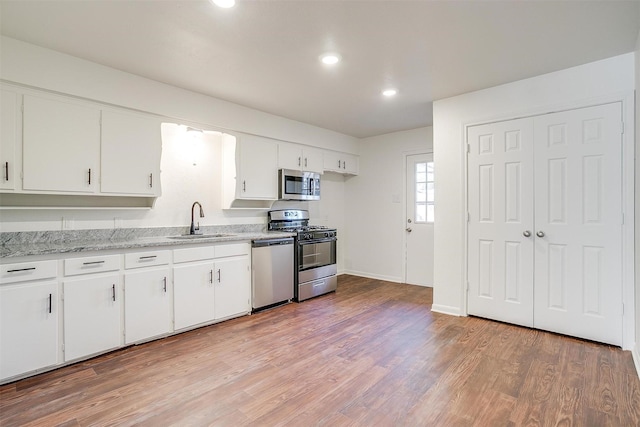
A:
(421, 177)
(421, 212)
(430, 192)
(421, 192)
(421, 167)
(430, 171)
(430, 213)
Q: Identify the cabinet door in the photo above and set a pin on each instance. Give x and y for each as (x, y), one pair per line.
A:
(341, 162)
(130, 154)
(350, 164)
(8, 137)
(258, 168)
(147, 304)
(28, 327)
(289, 156)
(193, 293)
(92, 313)
(232, 283)
(61, 146)
(312, 160)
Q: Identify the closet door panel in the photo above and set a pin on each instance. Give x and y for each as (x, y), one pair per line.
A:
(500, 264)
(578, 204)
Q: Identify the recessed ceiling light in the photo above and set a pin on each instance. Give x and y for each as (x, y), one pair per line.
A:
(330, 58)
(390, 92)
(224, 3)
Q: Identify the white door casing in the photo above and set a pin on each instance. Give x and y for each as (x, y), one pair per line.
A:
(418, 231)
(571, 208)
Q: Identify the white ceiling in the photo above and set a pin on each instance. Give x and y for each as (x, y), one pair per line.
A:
(264, 54)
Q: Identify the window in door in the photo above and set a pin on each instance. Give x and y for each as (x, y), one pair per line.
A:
(424, 185)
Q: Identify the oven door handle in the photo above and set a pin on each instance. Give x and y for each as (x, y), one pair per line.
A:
(315, 241)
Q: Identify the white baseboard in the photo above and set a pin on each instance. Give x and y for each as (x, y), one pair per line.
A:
(373, 276)
(635, 353)
(446, 309)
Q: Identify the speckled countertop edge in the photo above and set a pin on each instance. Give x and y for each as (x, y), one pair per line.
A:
(14, 245)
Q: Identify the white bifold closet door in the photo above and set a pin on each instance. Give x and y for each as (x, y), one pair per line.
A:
(545, 222)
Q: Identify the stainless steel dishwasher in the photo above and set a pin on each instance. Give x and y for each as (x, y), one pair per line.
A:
(271, 272)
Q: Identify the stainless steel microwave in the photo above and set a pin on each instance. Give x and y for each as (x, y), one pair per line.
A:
(297, 185)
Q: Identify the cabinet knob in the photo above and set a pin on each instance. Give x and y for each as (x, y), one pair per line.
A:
(409, 230)
(540, 233)
(526, 233)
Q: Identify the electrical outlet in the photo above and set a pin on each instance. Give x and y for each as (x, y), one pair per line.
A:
(67, 223)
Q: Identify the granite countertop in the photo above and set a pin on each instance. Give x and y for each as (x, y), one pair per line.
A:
(15, 245)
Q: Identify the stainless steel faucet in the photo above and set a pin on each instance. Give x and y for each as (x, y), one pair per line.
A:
(193, 225)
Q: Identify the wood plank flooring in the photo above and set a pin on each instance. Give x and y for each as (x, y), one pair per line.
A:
(372, 354)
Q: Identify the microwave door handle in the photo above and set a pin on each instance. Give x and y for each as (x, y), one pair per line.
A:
(312, 189)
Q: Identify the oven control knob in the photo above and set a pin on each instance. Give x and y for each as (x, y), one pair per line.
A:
(326, 234)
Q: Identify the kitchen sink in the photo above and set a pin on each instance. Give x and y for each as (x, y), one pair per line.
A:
(200, 236)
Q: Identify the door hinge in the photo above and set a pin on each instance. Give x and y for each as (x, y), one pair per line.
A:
(468, 217)
(468, 148)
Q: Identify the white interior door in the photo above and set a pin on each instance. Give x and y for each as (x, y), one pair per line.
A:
(578, 204)
(545, 222)
(500, 261)
(420, 216)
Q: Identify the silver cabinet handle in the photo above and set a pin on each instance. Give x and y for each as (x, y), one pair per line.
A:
(164, 279)
(526, 233)
(339, 164)
(409, 230)
(113, 289)
(210, 276)
(219, 275)
(50, 303)
(305, 162)
(344, 164)
(148, 257)
(299, 161)
(89, 176)
(6, 171)
(244, 186)
(540, 234)
(150, 180)
(93, 263)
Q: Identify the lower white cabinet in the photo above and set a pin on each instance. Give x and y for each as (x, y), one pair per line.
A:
(211, 283)
(28, 327)
(147, 304)
(232, 283)
(194, 293)
(92, 315)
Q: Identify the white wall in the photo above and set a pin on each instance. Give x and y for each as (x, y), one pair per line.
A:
(375, 204)
(636, 352)
(182, 182)
(608, 79)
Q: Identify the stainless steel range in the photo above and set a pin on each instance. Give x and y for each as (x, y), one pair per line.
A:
(314, 252)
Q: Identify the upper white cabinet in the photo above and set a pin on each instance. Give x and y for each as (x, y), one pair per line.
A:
(130, 154)
(9, 107)
(61, 145)
(341, 162)
(250, 168)
(296, 157)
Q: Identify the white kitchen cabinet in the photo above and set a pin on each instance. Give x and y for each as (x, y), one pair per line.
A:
(147, 303)
(194, 293)
(28, 327)
(232, 283)
(344, 163)
(297, 157)
(92, 314)
(250, 168)
(9, 126)
(130, 154)
(61, 145)
(215, 285)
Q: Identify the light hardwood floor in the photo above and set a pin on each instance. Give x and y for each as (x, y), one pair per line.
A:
(372, 354)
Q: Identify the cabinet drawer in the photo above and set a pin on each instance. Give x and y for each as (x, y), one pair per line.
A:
(146, 259)
(22, 272)
(193, 254)
(96, 264)
(232, 249)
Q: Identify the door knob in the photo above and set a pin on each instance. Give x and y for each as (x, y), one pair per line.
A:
(526, 233)
(409, 230)
(540, 234)
(409, 220)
